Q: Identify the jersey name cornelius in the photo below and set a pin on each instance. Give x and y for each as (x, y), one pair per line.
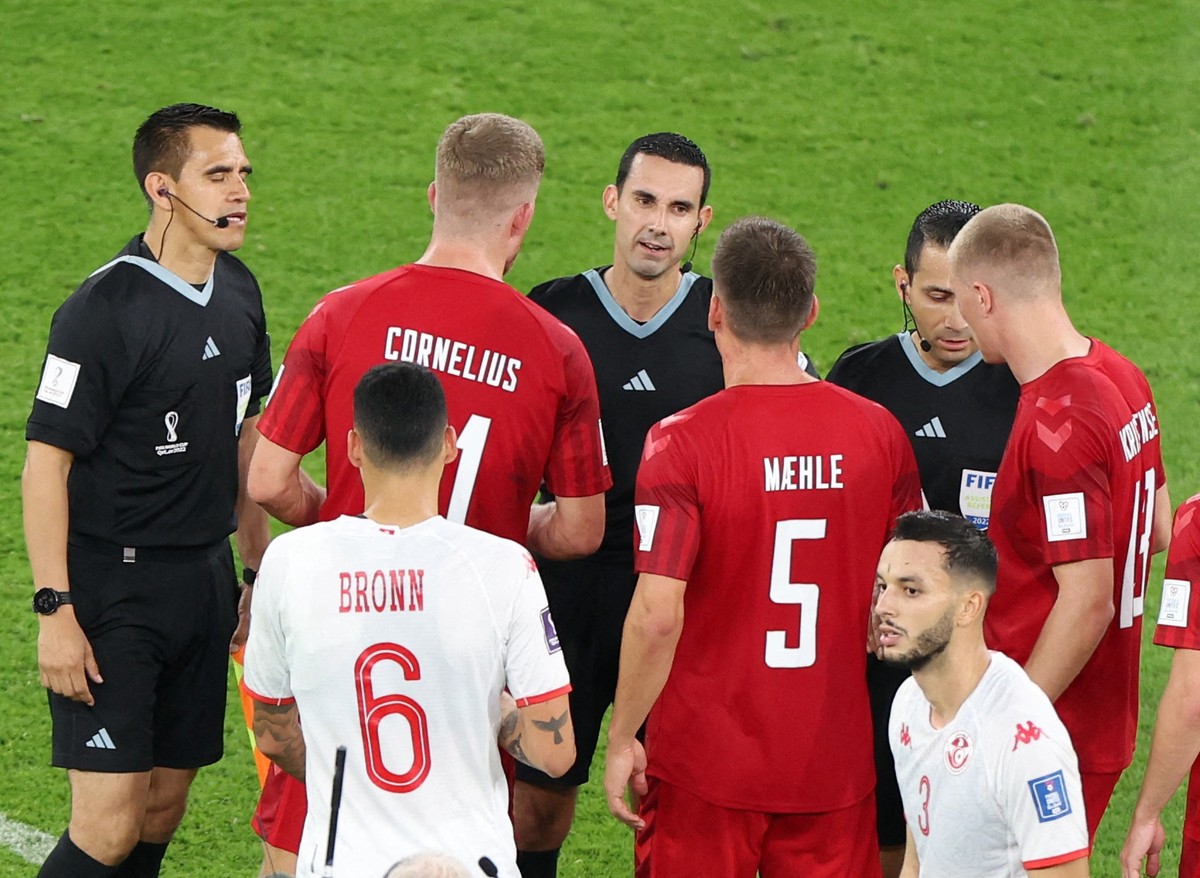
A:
(452, 357)
(381, 591)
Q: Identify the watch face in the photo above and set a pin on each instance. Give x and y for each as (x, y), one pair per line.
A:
(46, 601)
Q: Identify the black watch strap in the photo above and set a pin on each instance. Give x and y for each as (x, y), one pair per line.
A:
(46, 601)
(249, 574)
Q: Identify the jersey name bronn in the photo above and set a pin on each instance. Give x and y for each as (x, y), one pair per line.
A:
(1142, 427)
(452, 357)
(381, 591)
(804, 472)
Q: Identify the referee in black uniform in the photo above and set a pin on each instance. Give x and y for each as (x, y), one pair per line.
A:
(957, 411)
(644, 322)
(141, 428)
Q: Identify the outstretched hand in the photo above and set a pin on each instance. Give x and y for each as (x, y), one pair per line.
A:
(625, 766)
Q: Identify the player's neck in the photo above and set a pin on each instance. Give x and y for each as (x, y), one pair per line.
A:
(641, 298)
(400, 499)
(477, 256)
(1042, 340)
(760, 364)
(951, 677)
(190, 260)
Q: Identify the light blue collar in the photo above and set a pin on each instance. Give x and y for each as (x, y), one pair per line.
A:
(623, 320)
(934, 377)
(171, 279)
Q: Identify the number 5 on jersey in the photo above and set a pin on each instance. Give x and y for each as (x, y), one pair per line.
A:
(804, 594)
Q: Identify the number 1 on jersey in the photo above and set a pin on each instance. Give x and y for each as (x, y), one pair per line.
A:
(470, 452)
(784, 591)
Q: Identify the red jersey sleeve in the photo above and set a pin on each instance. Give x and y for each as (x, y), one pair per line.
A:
(578, 466)
(1069, 469)
(295, 414)
(906, 489)
(1179, 611)
(666, 506)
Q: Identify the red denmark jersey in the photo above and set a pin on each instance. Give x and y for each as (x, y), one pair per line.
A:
(1179, 618)
(1077, 482)
(519, 388)
(772, 503)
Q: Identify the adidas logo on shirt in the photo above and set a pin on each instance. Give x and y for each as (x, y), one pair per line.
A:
(932, 430)
(101, 741)
(640, 381)
(210, 349)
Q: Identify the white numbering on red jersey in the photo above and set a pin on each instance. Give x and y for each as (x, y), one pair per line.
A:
(1137, 555)
(804, 594)
(470, 453)
(373, 709)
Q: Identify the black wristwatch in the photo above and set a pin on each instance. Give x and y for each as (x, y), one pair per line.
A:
(249, 574)
(46, 601)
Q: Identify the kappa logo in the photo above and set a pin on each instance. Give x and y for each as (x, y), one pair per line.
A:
(173, 445)
(958, 752)
(101, 741)
(905, 737)
(1026, 734)
(932, 430)
(640, 381)
(210, 349)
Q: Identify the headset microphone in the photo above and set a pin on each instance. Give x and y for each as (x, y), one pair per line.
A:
(220, 222)
(908, 318)
(687, 266)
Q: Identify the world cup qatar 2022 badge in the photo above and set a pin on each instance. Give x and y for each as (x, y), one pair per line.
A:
(173, 445)
(958, 752)
(550, 632)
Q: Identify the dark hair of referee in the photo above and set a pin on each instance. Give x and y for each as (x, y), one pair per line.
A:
(163, 143)
(938, 225)
(672, 147)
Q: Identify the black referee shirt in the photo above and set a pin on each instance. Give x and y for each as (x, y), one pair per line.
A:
(146, 382)
(644, 372)
(958, 421)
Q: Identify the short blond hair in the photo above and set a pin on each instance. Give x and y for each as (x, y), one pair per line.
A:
(1008, 242)
(488, 157)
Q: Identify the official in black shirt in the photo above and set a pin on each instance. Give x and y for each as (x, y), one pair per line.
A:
(141, 428)
(957, 411)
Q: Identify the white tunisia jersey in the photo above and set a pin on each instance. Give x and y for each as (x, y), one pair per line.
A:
(396, 643)
(994, 792)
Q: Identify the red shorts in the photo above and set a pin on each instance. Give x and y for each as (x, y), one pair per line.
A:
(1097, 790)
(685, 835)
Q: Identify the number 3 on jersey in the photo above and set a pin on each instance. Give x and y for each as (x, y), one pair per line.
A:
(470, 452)
(804, 594)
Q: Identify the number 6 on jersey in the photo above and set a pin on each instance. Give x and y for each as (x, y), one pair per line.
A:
(784, 591)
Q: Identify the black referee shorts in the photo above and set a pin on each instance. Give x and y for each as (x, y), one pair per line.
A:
(882, 682)
(160, 629)
(588, 599)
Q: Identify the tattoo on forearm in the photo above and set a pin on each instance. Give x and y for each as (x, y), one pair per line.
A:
(553, 725)
(510, 737)
(277, 727)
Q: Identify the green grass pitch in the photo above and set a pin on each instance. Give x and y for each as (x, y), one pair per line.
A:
(842, 119)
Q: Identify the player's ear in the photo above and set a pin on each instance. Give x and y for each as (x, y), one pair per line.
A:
(354, 448)
(812, 313)
(902, 281)
(521, 219)
(610, 201)
(972, 607)
(449, 446)
(987, 298)
(431, 194)
(716, 312)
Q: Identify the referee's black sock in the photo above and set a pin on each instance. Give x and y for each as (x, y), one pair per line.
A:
(538, 864)
(68, 861)
(143, 861)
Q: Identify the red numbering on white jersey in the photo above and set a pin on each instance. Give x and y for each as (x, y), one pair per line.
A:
(372, 710)
(784, 591)
(1137, 555)
(923, 817)
(471, 441)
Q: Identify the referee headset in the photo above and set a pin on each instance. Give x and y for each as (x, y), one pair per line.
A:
(910, 322)
(687, 266)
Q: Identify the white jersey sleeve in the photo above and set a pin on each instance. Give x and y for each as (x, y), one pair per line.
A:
(266, 673)
(1039, 782)
(534, 663)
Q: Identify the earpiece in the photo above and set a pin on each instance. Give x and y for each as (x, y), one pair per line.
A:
(163, 191)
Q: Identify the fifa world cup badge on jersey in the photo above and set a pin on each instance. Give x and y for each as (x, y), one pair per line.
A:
(1066, 517)
(1176, 595)
(173, 445)
(647, 520)
(58, 381)
(1050, 797)
(975, 496)
(550, 632)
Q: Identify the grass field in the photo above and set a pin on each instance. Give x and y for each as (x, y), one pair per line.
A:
(843, 119)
